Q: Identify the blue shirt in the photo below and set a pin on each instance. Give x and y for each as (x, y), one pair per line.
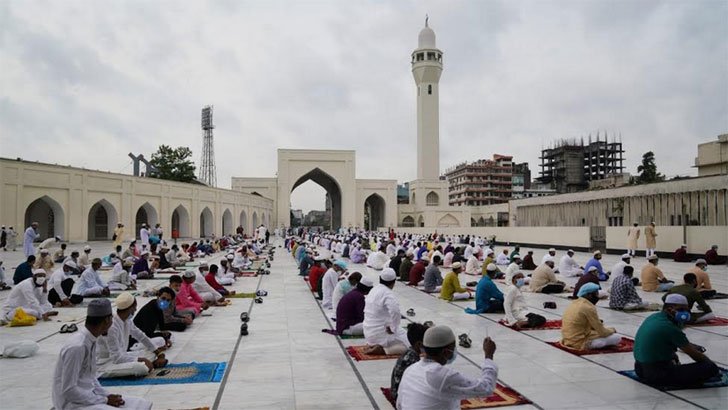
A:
(600, 271)
(22, 272)
(484, 293)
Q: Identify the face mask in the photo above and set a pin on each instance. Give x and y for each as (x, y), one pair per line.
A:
(520, 282)
(346, 286)
(40, 280)
(705, 268)
(163, 304)
(454, 356)
(682, 317)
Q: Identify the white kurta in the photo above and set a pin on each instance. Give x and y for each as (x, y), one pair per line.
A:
(618, 269)
(204, 289)
(27, 296)
(381, 311)
(328, 284)
(55, 282)
(515, 305)
(429, 385)
(114, 357)
(28, 239)
(377, 260)
(569, 267)
(89, 283)
(472, 266)
(75, 385)
(144, 236)
(543, 259)
(511, 270)
(502, 259)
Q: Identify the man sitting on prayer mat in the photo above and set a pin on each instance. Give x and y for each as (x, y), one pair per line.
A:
(158, 316)
(211, 279)
(431, 384)
(61, 287)
(624, 296)
(488, 299)
(141, 268)
(528, 263)
(652, 278)
(712, 257)
(329, 282)
(30, 296)
(114, 357)
(544, 280)
(589, 277)
(187, 297)
(350, 310)
(121, 278)
(406, 266)
(75, 383)
(596, 261)
(316, 272)
(690, 291)
(343, 287)
(701, 273)
(656, 344)
(44, 261)
(568, 266)
(84, 260)
(417, 273)
(90, 283)
(382, 317)
(60, 254)
(681, 254)
(433, 277)
(517, 314)
(24, 270)
(415, 334)
(581, 328)
(378, 260)
(206, 292)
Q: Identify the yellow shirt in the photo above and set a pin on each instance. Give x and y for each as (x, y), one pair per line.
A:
(450, 286)
(703, 278)
(542, 276)
(650, 277)
(581, 325)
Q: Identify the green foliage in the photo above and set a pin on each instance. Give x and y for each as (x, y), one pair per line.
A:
(648, 170)
(173, 164)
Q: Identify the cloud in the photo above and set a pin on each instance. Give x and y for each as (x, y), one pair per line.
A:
(87, 82)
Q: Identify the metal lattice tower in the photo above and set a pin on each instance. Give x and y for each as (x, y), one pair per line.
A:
(207, 174)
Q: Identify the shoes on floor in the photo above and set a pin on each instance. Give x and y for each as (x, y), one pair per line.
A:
(261, 293)
(411, 312)
(259, 300)
(465, 341)
(244, 329)
(244, 317)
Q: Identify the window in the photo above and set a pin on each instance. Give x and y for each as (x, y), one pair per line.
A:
(429, 89)
(432, 199)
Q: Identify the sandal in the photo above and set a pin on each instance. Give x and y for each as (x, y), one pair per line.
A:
(244, 329)
(464, 340)
(72, 328)
(64, 329)
(244, 317)
(411, 312)
(428, 324)
(261, 293)
(259, 300)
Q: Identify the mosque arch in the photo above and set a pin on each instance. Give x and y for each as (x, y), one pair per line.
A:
(481, 221)
(332, 188)
(374, 212)
(181, 222)
(227, 222)
(50, 217)
(473, 222)
(244, 221)
(102, 219)
(146, 214)
(432, 199)
(255, 222)
(206, 223)
(421, 221)
(408, 222)
(447, 221)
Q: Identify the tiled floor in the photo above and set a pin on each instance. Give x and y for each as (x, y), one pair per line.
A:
(287, 363)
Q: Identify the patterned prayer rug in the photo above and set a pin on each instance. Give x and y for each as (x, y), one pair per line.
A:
(624, 346)
(550, 324)
(718, 321)
(719, 381)
(179, 373)
(357, 352)
(718, 295)
(502, 396)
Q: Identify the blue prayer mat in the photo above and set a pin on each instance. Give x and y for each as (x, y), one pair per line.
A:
(179, 373)
(720, 380)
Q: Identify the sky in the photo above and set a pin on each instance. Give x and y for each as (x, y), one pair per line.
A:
(84, 83)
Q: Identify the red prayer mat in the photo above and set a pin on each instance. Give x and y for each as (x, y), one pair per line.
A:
(250, 274)
(550, 324)
(718, 321)
(626, 345)
(502, 396)
(357, 352)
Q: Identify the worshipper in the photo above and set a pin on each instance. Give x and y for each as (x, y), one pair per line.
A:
(488, 258)
(74, 257)
(24, 270)
(633, 235)
(225, 275)
(431, 384)
(513, 268)
(417, 273)
(158, 231)
(141, 268)
(693, 296)
(491, 268)
(330, 280)
(3, 285)
(60, 255)
(406, 266)
(438, 252)
(516, 252)
(305, 265)
(700, 271)
(3, 238)
(163, 261)
(468, 250)
(458, 257)
(377, 260)
(109, 260)
(448, 260)
(451, 288)
(550, 254)
(316, 272)
(623, 293)
(130, 252)
(544, 280)
(144, 234)
(211, 279)
(29, 237)
(581, 328)
(172, 258)
(382, 317)
(650, 239)
(358, 255)
(183, 255)
(472, 266)
(589, 277)
(28, 295)
(712, 257)
(61, 286)
(121, 279)
(114, 357)
(488, 299)
(568, 266)
(241, 261)
(396, 261)
(595, 261)
(75, 383)
(503, 258)
(187, 299)
(343, 287)
(158, 316)
(90, 283)
(514, 305)
(528, 263)
(204, 290)
(118, 237)
(618, 267)
(350, 309)
(656, 343)
(84, 261)
(415, 334)
(681, 254)
(433, 280)
(12, 240)
(652, 278)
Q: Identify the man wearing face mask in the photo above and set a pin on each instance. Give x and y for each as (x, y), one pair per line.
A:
(581, 328)
(431, 384)
(517, 314)
(656, 344)
(114, 357)
(158, 316)
(29, 295)
(343, 287)
(689, 290)
(701, 273)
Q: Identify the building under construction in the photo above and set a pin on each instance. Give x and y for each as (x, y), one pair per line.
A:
(570, 165)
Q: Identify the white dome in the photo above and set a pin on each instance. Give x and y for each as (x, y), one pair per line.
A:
(426, 39)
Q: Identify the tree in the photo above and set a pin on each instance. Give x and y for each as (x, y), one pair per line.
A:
(173, 164)
(648, 170)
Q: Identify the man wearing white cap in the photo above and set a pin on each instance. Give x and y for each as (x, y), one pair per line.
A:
(431, 384)
(551, 253)
(329, 282)
(350, 310)
(75, 383)
(31, 234)
(144, 236)
(568, 266)
(84, 260)
(121, 279)
(241, 261)
(382, 317)
(652, 278)
(30, 296)
(206, 292)
(61, 286)
(377, 260)
(656, 344)
(618, 267)
(44, 261)
(472, 266)
(451, 288)
(225, 275)
(114, 357)
(596, 262)
(700, 270)
(90, 283)
(544, 280)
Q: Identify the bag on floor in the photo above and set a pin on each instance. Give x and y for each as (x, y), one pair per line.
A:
(22, 319)
(21, 349)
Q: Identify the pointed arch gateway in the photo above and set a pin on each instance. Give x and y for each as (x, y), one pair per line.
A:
(374, 212)
(432, 199)
(181, 222)
(102, 219)
(50, 217)
(146, 214)
(255, 222)
(206, 223)
(227, 222)
(332, 188)
(244, 221)
(447, 221)
(408, 222)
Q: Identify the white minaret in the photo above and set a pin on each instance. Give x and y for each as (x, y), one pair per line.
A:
(426, 69)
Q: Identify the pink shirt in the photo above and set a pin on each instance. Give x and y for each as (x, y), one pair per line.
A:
(188, 298)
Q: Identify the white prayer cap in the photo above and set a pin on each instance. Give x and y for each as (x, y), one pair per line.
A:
(124, 300)
(570, 251)
(145, 252)
(548, 258)
(457, 265)
(189, 274)
(438, 336)
(86, 248)
(409, 252)
(70, 263)
(39, 271)
(491, 267)
(425, 258)
(652, 258)
(44, 251)
(203, 264)
(701, 261)
(366, 282)
(626, 256)
(597, 253)
(99, 308)
(388, 275)
(552, 249)
(129, 259)
(489, 251)
(592, 269)
(230, 257)
(676, 299)
(684, 245)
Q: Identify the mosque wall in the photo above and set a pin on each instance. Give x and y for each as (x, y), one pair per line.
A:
(79, 204)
